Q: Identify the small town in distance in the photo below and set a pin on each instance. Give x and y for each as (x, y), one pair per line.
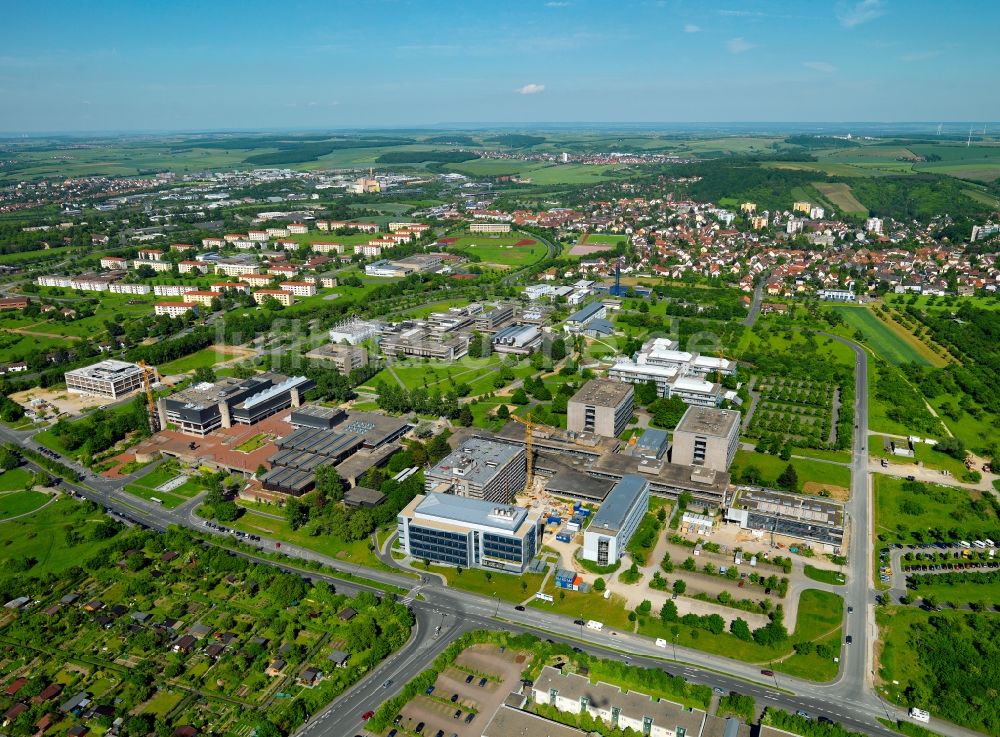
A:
(312, 426)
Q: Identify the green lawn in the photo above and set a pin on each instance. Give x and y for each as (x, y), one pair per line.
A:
(589, 605)
(824, 575)
(880, 337)
(205, 358)
(257, 441)
(42, 536)
(907, 513)
(959, 593)
(21, 502)
(816, 472)
(507, 586)
(15, 479)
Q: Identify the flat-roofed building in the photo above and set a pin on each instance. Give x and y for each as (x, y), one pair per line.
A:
(283, 296)
(601, 407)
(809, 518)
(495, 319)
(202, 296)
(694, 390)
(413, 340)
(489, 227)
(471, 533)
(299, 288)
(616, 521)
(707, 437)
(345, 357)
(579, 320)
(480, 469)
(109, 378)
(510, 722)
(203, 408)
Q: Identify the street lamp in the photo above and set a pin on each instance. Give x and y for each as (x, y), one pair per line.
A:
(678, 634)
(497, 612)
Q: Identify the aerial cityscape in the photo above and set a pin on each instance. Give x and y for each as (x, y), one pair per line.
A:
(549, 369)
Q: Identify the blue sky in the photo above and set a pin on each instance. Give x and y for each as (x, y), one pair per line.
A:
(222, 64)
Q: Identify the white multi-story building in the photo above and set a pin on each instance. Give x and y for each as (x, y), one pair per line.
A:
(174, 309)
(236, 267)
(113, 262)
(277, 232)
(110, 379)
(489, 227)
(258, 236)
(283, 296)
(123, 288)
(201, 296)
(170, 290)
(159, 266)
(298, 228)
(299, 288)
(324, 247)
(54, 281)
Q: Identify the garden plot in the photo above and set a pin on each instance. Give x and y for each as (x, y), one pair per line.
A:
(799, 411)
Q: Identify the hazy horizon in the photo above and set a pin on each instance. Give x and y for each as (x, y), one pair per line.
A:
(182, 66)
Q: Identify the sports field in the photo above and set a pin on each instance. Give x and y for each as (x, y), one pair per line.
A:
(881, 338)
(499, 251)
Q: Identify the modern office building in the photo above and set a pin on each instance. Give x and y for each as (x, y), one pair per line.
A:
(110, 379)
(676, 373)
(470, 533)
(707, 437)
(601, 407)
(480, 469)
(203, 408)
(579, 320)
(353, 331)
(345, 357)
(616, 520)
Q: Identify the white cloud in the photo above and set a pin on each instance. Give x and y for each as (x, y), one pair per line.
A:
(820, 66)
(691, 28)
(530, 89)
(738, 45)
(854, 14)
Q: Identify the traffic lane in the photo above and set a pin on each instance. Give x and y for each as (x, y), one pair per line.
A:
(343, 716)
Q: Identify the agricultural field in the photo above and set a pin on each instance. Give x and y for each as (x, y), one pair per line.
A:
(499, 251)
(840, 195)
(798, 409)
(539, 172)
(883, 339)
(914, 512)
(208, 643)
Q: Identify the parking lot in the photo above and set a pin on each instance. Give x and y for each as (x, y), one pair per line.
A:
(464, 697)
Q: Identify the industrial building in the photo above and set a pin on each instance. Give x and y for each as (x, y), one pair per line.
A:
(601, 407)
(109, 378)
(707, 437)
(521, 340)
(773, 512)
(471, 533)
(627, 710)
(480, 469)
(374, 429)
(616, 521)
(202, 408)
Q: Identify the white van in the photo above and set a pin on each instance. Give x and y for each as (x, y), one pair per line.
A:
(979, 544)
(964, 543)
(660, 642)
(990, 543)
(595, 625)
(919, 715)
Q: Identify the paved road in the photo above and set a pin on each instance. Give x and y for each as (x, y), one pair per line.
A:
(849, 699)
(758, 295)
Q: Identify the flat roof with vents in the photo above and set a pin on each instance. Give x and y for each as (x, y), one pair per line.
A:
(708, 421)
(450, 508)
(603, 393)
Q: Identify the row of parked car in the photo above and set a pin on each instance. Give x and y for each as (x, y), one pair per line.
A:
(235, 533)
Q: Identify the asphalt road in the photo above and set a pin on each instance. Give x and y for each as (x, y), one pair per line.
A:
(849, 699)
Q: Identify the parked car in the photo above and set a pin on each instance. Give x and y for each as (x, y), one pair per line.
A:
(482, 682)
(419, 728)
(519, 608)
(454, 698)
(768, 673)
(457, 714)
(469, 717)
(429, 690)
(849, 639)
(468, 678)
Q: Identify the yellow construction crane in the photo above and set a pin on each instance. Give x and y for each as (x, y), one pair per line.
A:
(528, 425)
(154, 416)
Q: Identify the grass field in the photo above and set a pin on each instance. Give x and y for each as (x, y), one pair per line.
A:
(42, 536)
(826, 475)
(15, 503)
(607, 239)
(824, 575)
(938, 512)
(205, 358)
(504, 585)
(145, 487)
(959, 593)
(478, 373)
(887, 342)
(840, 194)
(499, 251)
(539, 172)
(15, 479)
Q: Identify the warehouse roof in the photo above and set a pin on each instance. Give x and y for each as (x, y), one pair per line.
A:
(619, 502)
